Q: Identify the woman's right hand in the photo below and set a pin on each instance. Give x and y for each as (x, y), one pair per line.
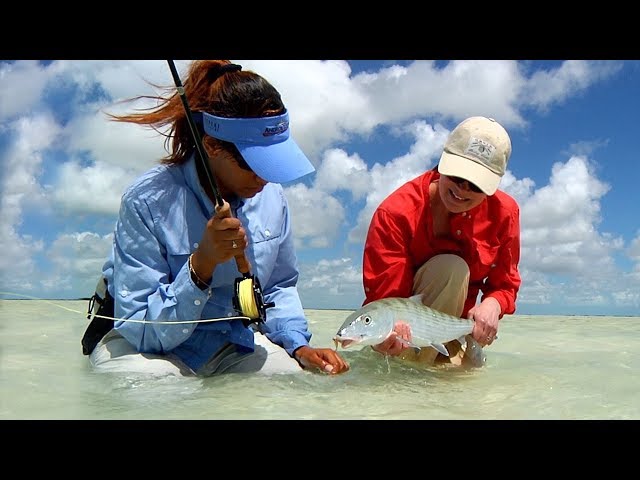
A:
(223, 239)
(392, 345)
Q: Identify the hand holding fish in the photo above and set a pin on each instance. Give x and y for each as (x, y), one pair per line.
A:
(486, 316)
(324, 359)
(397, 341)
(380, 324)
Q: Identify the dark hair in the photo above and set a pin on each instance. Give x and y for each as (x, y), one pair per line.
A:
(210, 87)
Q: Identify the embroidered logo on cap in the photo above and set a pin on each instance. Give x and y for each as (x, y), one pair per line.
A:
(480, 149)
(275, 130)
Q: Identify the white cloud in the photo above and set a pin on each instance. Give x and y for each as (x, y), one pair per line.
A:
(315, 216)
(340, 171)
(325, 104)
(547, 88)
(634, 249)
(21, 87)
(560, 223)
(460, 89)
(70, 160)
(22, 164)
(77, 260)
(335, 283)
(93, 189)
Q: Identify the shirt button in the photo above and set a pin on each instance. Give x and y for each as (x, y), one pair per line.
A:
(195, 245)
(185, 330)
(366, 289)
(458, 232)
(124, 293)
(197, 302)
(493, 265)
(464, 214)
(267, 233)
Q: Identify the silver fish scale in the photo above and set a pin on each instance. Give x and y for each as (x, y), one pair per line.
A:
(427, 325)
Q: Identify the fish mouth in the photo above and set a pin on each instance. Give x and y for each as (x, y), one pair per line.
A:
(344, 342)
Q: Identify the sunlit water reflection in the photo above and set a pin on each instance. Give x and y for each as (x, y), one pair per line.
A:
(542, 367)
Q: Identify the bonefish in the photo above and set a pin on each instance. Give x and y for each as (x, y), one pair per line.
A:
(373, 323)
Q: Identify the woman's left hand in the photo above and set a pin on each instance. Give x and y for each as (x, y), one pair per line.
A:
(325, 359)
(486, 316)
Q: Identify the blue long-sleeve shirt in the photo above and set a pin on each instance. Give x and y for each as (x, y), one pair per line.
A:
(162, 218)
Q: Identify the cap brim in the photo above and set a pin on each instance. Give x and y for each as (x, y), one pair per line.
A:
(277, 163)
(455, 166)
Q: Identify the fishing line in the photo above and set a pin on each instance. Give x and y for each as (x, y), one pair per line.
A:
(151, 322)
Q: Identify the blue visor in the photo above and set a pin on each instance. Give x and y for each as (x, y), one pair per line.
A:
(264, 143)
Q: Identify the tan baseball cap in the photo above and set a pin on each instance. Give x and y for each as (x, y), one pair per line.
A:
(478, 150)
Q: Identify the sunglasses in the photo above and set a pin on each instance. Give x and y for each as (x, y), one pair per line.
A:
(241, 163)
(237, 157)
(472, 186)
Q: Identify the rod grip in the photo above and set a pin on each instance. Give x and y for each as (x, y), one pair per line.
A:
(242, 263)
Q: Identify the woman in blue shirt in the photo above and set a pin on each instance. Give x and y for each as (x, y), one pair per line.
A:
(173, 257)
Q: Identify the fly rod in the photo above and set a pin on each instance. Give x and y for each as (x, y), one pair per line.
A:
(248, 298)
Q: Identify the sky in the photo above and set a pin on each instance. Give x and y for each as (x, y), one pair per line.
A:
(368, 126)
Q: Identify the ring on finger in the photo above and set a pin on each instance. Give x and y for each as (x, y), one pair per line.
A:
(234, 245)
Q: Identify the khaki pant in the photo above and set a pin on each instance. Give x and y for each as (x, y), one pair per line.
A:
(443, 282)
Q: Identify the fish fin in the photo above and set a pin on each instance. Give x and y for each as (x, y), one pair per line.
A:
(441, 348)
(475, 353)
(417, 299)
(417, 348)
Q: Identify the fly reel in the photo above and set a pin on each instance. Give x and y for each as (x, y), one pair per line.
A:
(249, 300)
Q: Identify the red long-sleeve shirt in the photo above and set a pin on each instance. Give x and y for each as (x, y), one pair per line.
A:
(401, 239)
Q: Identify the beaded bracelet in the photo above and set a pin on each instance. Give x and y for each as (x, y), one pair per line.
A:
(201, 284)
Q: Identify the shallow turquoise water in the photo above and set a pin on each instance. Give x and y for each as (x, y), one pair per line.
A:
(542, 367)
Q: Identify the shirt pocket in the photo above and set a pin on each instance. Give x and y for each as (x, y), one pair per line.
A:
(486, 259)
(265, 245)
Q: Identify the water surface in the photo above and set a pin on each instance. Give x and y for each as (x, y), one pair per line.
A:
(541, 367)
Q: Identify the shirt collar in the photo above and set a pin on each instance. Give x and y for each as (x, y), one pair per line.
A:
(193, 182)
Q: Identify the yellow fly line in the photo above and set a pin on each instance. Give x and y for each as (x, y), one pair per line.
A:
(246, 299)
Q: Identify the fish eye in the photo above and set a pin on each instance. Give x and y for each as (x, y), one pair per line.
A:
(366, 319)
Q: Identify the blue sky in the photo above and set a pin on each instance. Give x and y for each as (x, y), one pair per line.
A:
(367, 126)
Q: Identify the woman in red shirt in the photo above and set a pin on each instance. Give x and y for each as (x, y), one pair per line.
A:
(448, 235)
